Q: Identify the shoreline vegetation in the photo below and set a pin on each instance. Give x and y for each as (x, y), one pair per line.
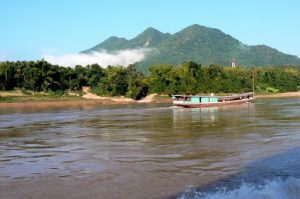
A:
(17, 100)
(41, 84)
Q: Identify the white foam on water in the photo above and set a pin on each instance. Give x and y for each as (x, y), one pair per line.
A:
(275, 189)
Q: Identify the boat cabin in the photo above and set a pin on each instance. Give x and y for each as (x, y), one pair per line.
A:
(195, 99)
(189, 100)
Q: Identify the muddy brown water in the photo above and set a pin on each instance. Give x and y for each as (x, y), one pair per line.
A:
(147, 151)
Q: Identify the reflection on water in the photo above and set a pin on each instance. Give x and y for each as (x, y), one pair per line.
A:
(147, 147)
(209, 114)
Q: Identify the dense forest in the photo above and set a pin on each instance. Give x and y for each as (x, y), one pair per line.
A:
(186, 78)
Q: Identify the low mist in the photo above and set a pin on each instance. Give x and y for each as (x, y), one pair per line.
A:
(103, 58)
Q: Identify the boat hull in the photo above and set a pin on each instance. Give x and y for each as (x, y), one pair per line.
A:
(209, 104)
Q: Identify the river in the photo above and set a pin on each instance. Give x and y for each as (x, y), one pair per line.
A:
(152, 151)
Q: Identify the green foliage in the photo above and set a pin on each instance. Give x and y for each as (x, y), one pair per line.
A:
(186, 78)
(8, 99)
(161, 79)
(113, 83)
(137, 88)
(272, 90)
(26, 92)
(81, 77)
(191, 78)
(190, 74)
(117, 81)
(284, 79)
(57, 93)
(94, 73)
(7, 73)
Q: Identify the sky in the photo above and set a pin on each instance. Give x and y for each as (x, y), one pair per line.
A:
(33, 29)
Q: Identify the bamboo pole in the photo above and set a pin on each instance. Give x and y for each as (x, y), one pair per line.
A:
(253, 73)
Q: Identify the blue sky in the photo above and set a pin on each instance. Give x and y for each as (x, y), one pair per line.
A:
(32, 28)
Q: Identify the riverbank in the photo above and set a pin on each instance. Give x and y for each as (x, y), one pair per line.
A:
(278, 95)
(47, 101)
(10, 100)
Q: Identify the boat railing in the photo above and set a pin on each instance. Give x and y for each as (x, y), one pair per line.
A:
(220, 98)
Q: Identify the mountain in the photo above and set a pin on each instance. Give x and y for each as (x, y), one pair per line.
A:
(150, 38)
(111, 44)
(197, 43)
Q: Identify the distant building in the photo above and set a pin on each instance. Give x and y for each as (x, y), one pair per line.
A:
(233, 63)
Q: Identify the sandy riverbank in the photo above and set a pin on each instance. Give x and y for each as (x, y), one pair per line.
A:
(278, 95)
(89, 100)
(57, 104)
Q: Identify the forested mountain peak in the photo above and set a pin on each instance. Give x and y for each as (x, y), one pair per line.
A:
(200, 44)
(148, 38)
(202, 32)
(110, 44)
(151, 31)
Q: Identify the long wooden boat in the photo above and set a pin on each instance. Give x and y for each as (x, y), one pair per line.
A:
(191, 101)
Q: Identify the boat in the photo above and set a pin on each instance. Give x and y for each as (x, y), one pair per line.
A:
(192, 101)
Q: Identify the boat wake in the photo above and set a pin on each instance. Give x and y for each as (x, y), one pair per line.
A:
(273, 189)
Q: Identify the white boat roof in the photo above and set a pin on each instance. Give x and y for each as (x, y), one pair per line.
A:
(228, 96)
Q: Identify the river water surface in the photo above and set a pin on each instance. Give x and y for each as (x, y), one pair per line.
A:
(152, 151)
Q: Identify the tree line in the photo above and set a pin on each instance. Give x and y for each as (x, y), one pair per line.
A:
(186, 78)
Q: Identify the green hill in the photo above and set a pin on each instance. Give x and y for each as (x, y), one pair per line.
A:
(197, 43)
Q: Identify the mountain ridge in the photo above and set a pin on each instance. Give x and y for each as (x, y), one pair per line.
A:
(197, 43)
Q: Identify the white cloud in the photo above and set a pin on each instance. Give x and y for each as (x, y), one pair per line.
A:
(103, 58)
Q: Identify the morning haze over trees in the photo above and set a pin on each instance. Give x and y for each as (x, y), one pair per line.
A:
(188, 62)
